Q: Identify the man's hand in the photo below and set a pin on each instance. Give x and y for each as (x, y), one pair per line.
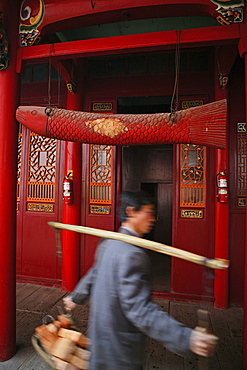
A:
(202, 342)
(68, 303)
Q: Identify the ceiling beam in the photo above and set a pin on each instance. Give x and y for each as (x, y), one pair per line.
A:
(129, 44)
(59, 16)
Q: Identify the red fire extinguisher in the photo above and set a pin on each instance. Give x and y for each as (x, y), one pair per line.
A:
(222, 187)
(68, 195)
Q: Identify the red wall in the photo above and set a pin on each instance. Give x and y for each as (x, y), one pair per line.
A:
(37, 260)
(196, 236)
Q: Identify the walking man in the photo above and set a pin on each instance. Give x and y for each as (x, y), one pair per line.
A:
(121, 311)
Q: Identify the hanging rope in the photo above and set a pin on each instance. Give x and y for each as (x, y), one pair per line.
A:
(58, 87)
(174, 100)
(49, 77)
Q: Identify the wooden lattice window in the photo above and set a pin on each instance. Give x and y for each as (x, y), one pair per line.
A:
(100, 174)
(41, 169)
(192, 175)
(241, 165)
(19, 163)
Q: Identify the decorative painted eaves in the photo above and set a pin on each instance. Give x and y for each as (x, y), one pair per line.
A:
(4, 47)
(44, 17)
(31, 16)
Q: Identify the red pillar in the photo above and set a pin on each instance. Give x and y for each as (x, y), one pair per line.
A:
(242, 46)
(221, 238)
(9, 99)
(72, 212)
(245, 279)
(221, 217)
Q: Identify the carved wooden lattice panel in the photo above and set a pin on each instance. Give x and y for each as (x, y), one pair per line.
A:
(41, 169)
(192, 175)
(241, 187)
(19, 163)
(100, 174)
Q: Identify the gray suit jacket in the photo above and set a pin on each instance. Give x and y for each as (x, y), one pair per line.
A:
(121, 312)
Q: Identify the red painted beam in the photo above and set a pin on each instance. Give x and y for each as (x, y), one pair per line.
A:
(60, 16)
(64, 68)
(128, 43)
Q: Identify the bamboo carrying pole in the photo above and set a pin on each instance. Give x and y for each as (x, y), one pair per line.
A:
(217, 264)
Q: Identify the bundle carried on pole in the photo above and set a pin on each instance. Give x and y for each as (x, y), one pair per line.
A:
(217, 264)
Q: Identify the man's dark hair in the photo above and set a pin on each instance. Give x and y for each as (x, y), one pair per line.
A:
(135, 199)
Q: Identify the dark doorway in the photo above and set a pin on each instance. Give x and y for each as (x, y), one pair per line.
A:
(149, 168)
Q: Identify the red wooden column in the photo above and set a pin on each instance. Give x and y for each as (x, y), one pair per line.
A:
(221, 210)
(242, 46)
(72, 212)
(9, 99)
(245, 279)
(221, 238)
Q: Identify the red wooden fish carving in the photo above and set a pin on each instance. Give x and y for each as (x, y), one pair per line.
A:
(204, 125)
